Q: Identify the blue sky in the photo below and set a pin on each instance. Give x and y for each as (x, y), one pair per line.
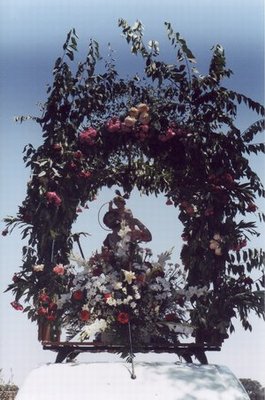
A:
(31, 37)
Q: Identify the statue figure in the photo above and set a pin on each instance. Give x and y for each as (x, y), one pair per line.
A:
(119, 217)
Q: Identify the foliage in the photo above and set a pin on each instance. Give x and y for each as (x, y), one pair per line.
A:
(253, 388)
(170, 130)
(8, 390)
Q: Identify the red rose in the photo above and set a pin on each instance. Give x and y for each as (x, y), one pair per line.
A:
(123, 318)
(15, 278)
(44, 298)
(78, 154)
(57, 147)
(107, 296)
(248, 280)
(85, 174)
(53, 307)
(84, 315)
(228, 179)
(185, 238)
(78, 295)
(190, 210)
(42, 311)
(171, 317)
(251, 207)
(17, 306)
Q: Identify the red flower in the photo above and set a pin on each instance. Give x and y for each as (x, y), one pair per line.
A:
(15, 278)
(53, 198)
(248, 280)
(57, 147)
(17, 306)
(185, 238)
(51, 317)
(171, 317)
(53, 307)
(85, 174)
(97, 271)
(44, 298)
(228, 179)
(42, 311)
(251, 207)
(107, 296)
(78, 154)
(123, 318)
(78, 295)
(169, 135)
(84, 315)
(73, 165)
(141, 278)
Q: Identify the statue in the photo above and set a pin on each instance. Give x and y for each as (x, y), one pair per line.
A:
(119, 218)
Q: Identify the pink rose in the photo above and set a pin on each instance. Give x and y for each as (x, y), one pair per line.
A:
(59, 269)
(17, 306)
(88, 136)
(53, 198)
(113, 125)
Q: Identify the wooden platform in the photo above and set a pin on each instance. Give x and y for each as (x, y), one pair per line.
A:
(72, 349)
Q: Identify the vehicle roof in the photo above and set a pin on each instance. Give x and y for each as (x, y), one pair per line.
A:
(154, 381)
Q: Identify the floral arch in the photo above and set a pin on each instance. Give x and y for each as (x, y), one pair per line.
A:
(170, 131)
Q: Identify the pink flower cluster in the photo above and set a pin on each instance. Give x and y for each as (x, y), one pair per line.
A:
(114, 125)
(171, 132)
(225, 179)
(137, 120)
(88, 137)
(53, 198)
(59, 269)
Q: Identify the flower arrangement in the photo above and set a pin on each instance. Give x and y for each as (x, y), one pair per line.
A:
(122, 286)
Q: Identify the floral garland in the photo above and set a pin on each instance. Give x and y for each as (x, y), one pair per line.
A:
(177, 137)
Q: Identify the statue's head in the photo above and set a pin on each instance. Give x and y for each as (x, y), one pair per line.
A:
(119, 201)
(112, 219)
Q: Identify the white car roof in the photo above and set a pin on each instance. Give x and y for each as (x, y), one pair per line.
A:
(112, 380)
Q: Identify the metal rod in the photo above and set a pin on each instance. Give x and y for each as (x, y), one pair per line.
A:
(133, 376)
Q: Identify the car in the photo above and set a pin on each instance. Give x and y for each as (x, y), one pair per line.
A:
(117, 380)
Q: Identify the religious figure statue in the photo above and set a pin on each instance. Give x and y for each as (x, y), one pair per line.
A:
(120, 217)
